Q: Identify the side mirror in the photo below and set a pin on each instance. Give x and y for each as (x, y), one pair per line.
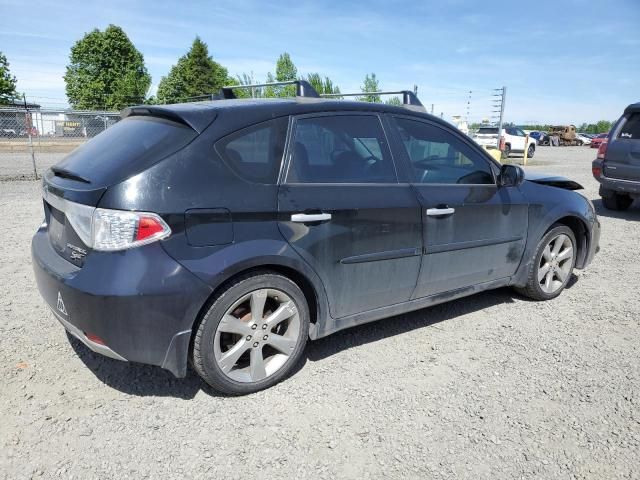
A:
(511, 176)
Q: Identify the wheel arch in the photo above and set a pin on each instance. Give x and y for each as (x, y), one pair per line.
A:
(580, 231)
(312, 290)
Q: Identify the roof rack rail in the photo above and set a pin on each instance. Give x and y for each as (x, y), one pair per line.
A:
(303, 88)
(408, 97)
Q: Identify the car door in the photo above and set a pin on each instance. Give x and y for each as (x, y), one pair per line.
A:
(342, 209)
(622, 159)
(517, 139)
(474, 232)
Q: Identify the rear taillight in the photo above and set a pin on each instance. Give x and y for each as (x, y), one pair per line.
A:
(109, 230)
(119, 230)
(602, 150)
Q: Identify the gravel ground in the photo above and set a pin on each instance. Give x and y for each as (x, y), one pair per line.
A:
(491, 386)
(17, 165)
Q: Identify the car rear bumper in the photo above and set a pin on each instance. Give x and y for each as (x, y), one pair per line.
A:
(136, 305)
(608, 184)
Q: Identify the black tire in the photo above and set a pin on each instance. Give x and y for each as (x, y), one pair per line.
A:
(531, 151)
(533, 289)
(617, 202)
(507, 151)
(203, 355)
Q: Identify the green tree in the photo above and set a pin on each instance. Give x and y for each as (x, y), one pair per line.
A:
(395, 101)
(7, 81)
(603, 126)
(246, 79)
(270, 92)
(106, 71)
(285, 71)
(322, 85)
(195, 75)
(370, 87)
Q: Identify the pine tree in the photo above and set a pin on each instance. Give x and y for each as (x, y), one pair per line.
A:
(195, 75)
(7, 81)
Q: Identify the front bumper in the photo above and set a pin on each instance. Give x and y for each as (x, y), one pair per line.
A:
(593, 242)
(138, 304)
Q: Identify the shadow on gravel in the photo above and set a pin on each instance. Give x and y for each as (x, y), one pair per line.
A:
(138, 379)
(388, 327)
(632, 214)
(146, 380)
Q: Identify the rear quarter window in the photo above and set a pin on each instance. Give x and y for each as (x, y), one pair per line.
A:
(255, 153)
(631, 128)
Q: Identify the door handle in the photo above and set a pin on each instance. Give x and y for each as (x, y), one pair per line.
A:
(436, 212)
(310, 217)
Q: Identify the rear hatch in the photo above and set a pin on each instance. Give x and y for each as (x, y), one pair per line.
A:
(73, 187)
(486, 136)
(622, 158)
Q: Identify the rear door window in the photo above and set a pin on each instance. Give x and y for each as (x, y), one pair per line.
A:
(255, 153)
(631, 128)
(340, 149)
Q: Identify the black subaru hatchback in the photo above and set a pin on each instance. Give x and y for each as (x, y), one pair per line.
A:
(227, 233)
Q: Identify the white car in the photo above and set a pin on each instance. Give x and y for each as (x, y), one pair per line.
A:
(583, 138)
(514, 140)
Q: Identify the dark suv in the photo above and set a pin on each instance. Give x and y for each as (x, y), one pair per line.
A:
(229, 232)
(617, 167)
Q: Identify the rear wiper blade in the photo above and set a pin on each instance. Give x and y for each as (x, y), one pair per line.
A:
(62, 173)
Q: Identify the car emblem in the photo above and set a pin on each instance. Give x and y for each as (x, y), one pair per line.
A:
(60, 305)
(77, 253)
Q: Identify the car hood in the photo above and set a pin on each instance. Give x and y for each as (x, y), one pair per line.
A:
(552, 180)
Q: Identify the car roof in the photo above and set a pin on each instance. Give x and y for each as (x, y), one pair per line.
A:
(199, 115)
(634, 107)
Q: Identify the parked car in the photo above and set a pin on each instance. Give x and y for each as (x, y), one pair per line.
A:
(230, 232)
(617, 166)
(588, 135)
(514, 140)
(8, 132)
(598, 140)
(541, 138)
(583, 139)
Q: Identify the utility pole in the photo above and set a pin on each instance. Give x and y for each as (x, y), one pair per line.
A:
(499, 103)
(432, 109)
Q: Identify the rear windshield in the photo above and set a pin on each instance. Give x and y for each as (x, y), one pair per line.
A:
(631, 128)
(488, 130)
(128, 147)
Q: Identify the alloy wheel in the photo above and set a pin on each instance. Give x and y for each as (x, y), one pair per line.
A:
(257, 335)
(555, 264)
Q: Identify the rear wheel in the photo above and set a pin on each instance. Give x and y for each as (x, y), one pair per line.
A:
(617, 201)
(553, 264)
(253, 335)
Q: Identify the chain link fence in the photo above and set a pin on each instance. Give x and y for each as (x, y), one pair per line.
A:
(33, 138)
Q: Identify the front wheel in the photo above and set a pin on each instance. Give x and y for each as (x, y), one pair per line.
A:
(552, 265)
(253, 335)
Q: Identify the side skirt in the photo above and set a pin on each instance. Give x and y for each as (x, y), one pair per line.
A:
(331, 326)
